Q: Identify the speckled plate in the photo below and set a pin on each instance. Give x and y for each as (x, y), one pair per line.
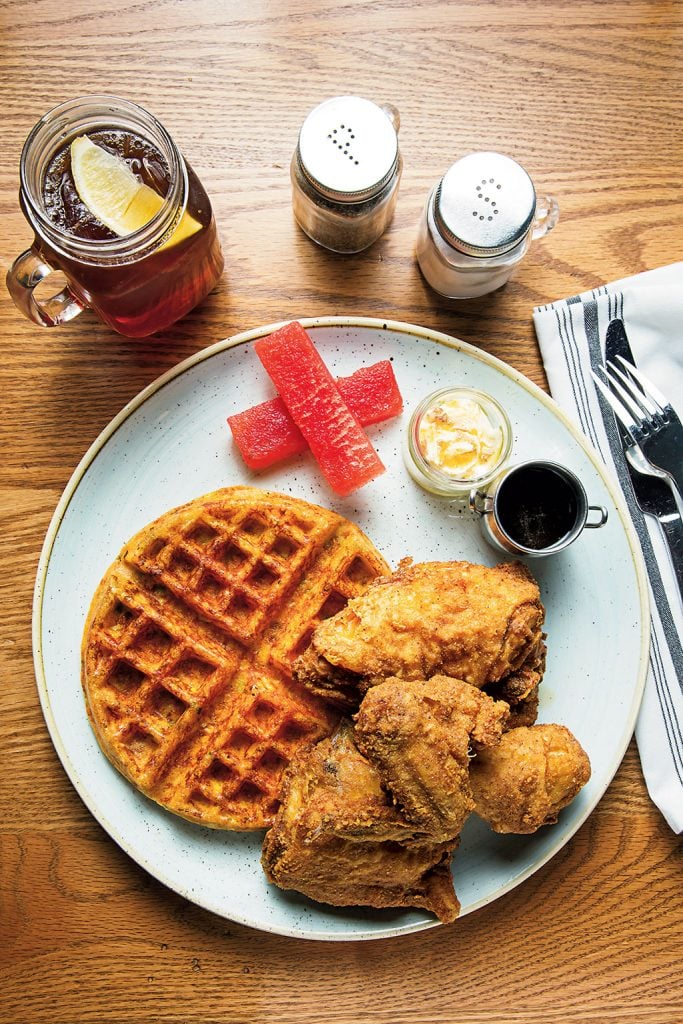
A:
(171, 444)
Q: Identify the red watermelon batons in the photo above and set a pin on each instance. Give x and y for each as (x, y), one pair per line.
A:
(308, 389)
(266, 433)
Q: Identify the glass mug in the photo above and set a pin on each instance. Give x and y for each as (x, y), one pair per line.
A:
(534, 509)
(138, 283)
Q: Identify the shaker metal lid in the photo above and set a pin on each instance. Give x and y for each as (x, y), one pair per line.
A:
(348, 149)
(484, 204)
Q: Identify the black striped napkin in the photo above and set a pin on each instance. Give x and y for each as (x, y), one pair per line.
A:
(571, 336)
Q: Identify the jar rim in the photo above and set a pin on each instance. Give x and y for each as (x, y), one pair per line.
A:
(347, 198)
(90, 112)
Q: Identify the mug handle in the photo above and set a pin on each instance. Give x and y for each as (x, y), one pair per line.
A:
(27, 271)
(546, 216)
(601, 521)
(393, 114)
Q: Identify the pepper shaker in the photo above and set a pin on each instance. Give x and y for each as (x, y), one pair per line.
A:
(345, 173)
(478, 223)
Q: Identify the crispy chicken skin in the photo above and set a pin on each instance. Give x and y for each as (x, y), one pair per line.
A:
(522, 701)
(521, 684)
(523, 712)
(418, 736)
(525, 780)
(472, 622)
(338, 839)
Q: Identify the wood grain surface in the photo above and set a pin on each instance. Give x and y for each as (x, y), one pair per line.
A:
(587, 95)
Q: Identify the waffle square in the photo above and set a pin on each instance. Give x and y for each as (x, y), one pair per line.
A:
(189, 642)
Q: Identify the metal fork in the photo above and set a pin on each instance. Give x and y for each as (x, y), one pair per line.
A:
(652, 488)
(653, 432)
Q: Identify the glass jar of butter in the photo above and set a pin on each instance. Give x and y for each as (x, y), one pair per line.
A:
(458, 438)
(345, 173)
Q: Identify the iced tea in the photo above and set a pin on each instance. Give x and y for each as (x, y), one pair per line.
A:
(139, 283)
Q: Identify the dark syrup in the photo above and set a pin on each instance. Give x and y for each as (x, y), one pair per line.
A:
(536, 507)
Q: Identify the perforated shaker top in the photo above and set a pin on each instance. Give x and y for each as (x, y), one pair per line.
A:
(484, 204)
(348, 149)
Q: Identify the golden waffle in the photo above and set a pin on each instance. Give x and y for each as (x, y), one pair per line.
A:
(189, 641)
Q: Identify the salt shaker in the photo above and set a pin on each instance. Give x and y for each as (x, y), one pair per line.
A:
(345, 172)
(478, 224)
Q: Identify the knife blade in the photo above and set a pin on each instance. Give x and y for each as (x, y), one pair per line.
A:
(654, 496)
(664, 449)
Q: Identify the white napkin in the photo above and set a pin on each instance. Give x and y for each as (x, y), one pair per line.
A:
(571, 335)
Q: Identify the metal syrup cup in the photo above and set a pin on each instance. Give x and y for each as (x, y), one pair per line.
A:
(486, 503)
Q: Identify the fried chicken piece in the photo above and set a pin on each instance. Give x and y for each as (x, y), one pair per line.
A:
(528, 778)
(418, 736)
(520, 689)
(522, 712)
(338, 839)
(472, 622)
(521, 684)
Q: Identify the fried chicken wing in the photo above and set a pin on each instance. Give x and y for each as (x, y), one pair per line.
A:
(338, 839)
(526, 780)
(418, 736)
(475, 623)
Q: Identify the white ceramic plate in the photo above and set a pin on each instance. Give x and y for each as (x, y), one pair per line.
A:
(171, 444)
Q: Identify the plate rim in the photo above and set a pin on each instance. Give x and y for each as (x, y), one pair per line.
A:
(243, 337)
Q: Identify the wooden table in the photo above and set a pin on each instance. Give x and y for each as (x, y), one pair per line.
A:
(587, 96)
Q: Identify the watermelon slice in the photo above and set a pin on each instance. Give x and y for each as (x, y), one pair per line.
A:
(266, 433)
(371, 393)
(306, 386)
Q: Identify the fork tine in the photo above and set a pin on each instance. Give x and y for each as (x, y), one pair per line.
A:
(619, 410)
(642, 405)
(649, 389)
(626, 397)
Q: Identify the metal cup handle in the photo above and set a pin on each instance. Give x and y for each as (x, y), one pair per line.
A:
(481, 503)
(25, 274)
(601, 521)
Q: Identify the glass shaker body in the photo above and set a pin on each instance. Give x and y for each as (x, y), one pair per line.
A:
(478, 224)
(345, 173)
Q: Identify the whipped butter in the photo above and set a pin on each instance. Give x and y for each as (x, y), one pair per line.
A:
(458, 438)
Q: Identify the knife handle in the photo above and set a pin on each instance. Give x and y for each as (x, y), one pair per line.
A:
(673, 534)
(665, 451)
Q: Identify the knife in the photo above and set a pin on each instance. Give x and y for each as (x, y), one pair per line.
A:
(665, 449)
(654, 496)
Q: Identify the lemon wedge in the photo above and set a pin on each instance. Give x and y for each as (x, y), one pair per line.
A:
(113, 194)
